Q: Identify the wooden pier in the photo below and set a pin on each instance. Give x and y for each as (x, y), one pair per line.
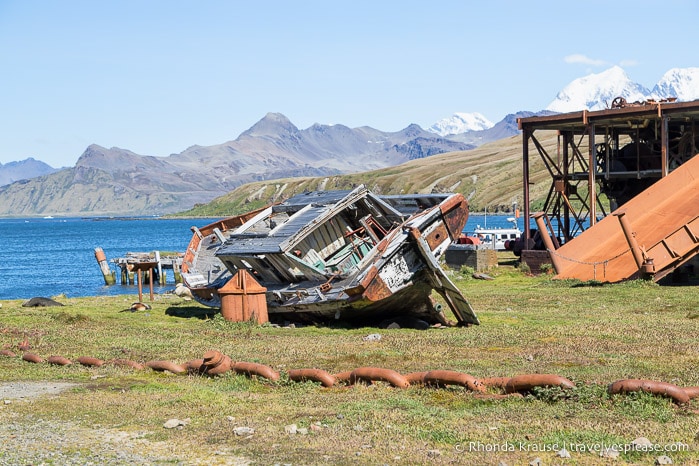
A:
(155, 263)
(161, 262)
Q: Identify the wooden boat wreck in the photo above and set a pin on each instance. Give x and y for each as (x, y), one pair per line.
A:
(345, 255)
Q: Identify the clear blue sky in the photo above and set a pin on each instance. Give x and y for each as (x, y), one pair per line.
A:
(157, 76)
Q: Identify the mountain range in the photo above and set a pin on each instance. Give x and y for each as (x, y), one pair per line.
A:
(597, 91)
(591, 92)
(119, 182)
(21, 170)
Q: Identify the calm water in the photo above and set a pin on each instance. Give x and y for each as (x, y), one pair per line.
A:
(492, 221)
(47, 257)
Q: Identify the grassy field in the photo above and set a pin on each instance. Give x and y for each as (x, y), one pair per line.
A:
(592, 334)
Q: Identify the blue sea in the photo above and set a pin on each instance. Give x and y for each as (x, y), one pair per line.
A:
(52, 256)
(493, 221)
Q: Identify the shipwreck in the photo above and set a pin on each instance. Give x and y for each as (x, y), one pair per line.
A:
(335, 255)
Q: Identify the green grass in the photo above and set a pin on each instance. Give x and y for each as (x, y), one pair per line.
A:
(590, 333)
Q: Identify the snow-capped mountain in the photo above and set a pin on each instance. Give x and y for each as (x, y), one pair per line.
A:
(597, 91)
(591, 92)
(682, 83)
(461, 123)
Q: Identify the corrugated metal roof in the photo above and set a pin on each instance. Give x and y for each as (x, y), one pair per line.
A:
(311, 197)
(262, 244)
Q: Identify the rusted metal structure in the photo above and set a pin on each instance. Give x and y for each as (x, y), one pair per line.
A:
(619, 153)
(650, 236)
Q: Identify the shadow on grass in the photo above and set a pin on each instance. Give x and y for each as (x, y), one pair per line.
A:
(188, 312)
(514, 263)
(589, 284)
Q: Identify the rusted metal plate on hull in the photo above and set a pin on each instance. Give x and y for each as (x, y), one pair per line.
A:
(374, 287)
(437, 236)
(455, 213)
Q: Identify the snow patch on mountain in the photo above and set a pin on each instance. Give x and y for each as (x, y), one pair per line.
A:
(461, 123)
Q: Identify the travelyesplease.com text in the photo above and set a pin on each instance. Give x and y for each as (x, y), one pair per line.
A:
(571, 447)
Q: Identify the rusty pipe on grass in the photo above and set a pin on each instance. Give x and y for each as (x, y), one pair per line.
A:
(127, 363)
(32, 357)
(441, 378)
(90, 361)
(371, 374)
(495, 382)
(216, 363)
(678, 394)
(195, 366)
(416, 378)
(166, 366)
(253, 368)
(313, 375)
(343, 377)
(525, 382)
(692, 392)
(497, 396)
(59, 361)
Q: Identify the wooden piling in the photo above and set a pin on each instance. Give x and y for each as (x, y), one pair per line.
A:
(176, 272)
(160, 268)
(109, 278)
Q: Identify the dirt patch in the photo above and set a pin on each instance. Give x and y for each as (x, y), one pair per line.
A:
(31, 439)
(30, 390)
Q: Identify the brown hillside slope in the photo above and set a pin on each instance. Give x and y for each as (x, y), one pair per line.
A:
(489, 176)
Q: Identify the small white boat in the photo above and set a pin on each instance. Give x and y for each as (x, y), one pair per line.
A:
(500, 239)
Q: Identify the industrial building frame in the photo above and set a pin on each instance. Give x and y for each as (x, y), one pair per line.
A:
(630, 146)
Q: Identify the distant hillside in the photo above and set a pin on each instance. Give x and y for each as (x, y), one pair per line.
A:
(23, 170)
(489, 176)
(120, 182)
(503, 129)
